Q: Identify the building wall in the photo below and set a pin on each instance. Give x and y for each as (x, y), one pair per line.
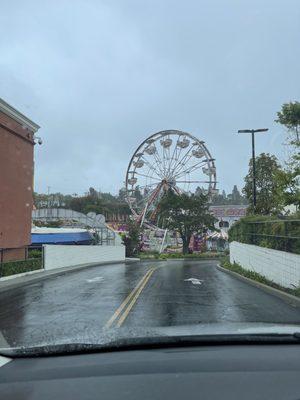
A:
(13, 254)
(278, 266)
(228, 214)
(60, 256)
(16, 181)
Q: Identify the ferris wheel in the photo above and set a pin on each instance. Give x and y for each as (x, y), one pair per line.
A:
(168, 159)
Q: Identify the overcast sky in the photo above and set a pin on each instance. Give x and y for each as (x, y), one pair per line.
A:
(101, 76)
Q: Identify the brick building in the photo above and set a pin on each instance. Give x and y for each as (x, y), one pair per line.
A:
(16, 182)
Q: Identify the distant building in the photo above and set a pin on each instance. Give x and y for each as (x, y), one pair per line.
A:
(16, 182)
(227, 214)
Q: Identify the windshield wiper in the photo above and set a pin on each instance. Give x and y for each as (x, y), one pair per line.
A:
(144, 343)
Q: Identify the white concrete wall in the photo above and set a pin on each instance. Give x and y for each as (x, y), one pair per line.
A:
(59, 256)
(278, 266)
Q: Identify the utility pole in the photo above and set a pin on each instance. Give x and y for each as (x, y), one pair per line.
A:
(253, 131)
(48, 198)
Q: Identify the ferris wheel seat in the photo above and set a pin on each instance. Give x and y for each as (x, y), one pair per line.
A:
(166, 142)
(150, 150)
(139, 164)
(183, 143)
(132, 181)
(198, 153)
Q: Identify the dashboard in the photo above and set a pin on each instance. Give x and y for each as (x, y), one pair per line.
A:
(202, 372)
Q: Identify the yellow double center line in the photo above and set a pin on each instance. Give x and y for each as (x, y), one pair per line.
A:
(129, 302)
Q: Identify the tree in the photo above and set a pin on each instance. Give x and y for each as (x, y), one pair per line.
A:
(267, 170)
(122, 194)
(138, 194)
(186, 215)
(288, 189)
(236, 195)
(289, 178)
(93, 194)
(131, 240)
(289, 116)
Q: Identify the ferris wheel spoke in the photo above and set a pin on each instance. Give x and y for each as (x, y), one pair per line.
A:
(171, 159)
(168, 159)
(148, 185)
(180, 170)
(147, 176)
(195, 181)
(183, 164)
(150, 166)
(190, 169)
(182, 160)
(177, 155)
(159, 163)
(159, 166)
(164, 160)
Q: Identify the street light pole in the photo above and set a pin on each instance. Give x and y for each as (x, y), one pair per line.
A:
(254, 171)
(253, 131)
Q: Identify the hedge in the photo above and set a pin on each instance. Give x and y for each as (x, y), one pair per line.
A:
(267, 231)
(18, 267)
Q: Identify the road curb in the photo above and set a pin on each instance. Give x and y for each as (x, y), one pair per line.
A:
(39, 276)
(180, 259)
(131, 260)
(288, 298)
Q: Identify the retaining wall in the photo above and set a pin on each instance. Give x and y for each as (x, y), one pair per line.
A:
(278, 266)
(59, 256)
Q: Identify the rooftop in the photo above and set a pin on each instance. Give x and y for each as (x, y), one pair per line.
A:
(17, 116)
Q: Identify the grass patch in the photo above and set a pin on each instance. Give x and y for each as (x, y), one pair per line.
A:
(18, 267)
(225, 263)
(166, 256)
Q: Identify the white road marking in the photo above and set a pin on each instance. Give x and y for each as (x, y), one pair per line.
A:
(4, 360)
(3, 345)
(3, 342)
(96, 279)
(194, 281)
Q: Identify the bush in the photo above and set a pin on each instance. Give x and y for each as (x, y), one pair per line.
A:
(267, 231)
(34, 253)
(18, 267)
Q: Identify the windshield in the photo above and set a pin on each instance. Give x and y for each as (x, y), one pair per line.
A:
(150, 171)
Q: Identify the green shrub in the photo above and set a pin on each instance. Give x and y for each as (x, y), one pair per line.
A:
(34, 253)
(18, 267)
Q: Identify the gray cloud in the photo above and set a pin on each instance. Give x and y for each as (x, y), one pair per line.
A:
(99, 76)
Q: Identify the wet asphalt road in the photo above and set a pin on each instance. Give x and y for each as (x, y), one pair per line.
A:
(81, 306)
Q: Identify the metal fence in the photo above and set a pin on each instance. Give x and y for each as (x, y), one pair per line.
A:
(279, 234)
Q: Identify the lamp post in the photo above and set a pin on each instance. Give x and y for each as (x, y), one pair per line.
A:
(253, 131)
